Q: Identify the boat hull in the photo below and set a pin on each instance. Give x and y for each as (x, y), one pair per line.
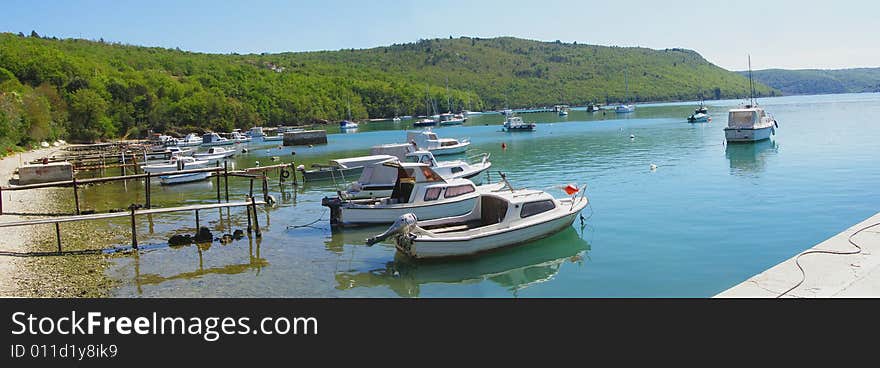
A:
(344, 175)
(183, 178)
(358, 215)
(450, 150)
(747, 135)
(158, 169)
(427, 247)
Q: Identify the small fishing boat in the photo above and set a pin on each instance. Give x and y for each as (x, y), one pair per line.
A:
(177, 151)
(749, 123)
(214, 139)
(450, 119)
(214, 154)
(183, 178)
(378, 180)
(396, 119)
(342, 169)
(426, 122)
(501, 218)
(593, 108)
(175, 163)
(418, 189)
(516, 124)
(191, 140)
(700, 115)
(345, 124)
(428, 141)
(238, 137)
(273, 138)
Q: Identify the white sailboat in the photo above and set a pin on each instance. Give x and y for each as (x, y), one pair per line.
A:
(428, 140)
(625, 107)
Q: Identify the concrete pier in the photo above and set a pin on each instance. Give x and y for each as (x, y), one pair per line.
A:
(827, 275)
(305, 137)
(45, 173)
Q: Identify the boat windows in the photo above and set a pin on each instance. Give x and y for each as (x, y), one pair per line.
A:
(432, 194)
(492, 210)
(741, 118)
(448, 143)
(430, 175)
(537, 207)
(456, 170)
(458, 190)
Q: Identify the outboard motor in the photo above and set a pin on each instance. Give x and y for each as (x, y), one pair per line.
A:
(335, 206)
(401, 225)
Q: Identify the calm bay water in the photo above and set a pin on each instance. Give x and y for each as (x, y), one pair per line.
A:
(710, 215)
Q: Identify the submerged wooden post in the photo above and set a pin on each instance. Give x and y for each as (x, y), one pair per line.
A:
(147, 188)
(197, 221)
(256, 220)
(251, 193)
(58, 236)
(122, 165)
(75, 196)
(226, 179)
(134, 239)
(293, 173)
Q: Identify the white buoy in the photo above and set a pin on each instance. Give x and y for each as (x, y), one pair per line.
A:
(632, 136)
(653, 167)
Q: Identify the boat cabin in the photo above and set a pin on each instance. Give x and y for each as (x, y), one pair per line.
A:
(418, 183)
(748, 118)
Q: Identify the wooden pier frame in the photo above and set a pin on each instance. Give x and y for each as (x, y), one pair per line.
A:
(133, 213)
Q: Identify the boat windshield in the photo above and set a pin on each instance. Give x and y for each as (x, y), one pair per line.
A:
(741, 119)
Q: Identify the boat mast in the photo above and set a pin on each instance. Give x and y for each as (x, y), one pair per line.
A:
(448, 97)
(626, 82)
(751, 84)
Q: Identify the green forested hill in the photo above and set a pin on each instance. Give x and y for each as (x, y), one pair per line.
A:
(818, 81)
(89, 90)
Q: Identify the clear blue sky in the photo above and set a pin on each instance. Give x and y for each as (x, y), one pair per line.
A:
(778, 34)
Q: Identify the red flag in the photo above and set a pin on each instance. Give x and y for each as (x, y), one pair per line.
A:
(571, 189)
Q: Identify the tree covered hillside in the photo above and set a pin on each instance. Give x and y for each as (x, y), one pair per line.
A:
(91, 90)
(818, 81)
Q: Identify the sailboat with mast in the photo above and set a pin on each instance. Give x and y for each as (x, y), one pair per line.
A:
(428, 120)
(749, 123)
(449, 118)
(348, 124)
(625, 107)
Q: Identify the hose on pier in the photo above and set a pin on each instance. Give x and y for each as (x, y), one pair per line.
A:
(817, 251)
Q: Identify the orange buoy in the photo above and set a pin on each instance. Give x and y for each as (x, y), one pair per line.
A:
(503, 145)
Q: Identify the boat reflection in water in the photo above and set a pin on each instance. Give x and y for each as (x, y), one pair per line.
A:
(513, 268)
(750, 158)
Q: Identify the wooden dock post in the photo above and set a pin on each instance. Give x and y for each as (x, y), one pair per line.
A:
(226, 179)
(256, 220)
(197, 221)
(265, 188)
(293, 173)
(122, 166)
(58, 236)
(134, 239)
(251, 193)
(75, 195)
(147, 189)
(248, 210)
(217, 174)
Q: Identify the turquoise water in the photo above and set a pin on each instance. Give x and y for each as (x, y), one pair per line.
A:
(710, 215)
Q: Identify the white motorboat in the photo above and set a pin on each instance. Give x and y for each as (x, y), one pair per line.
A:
(563, 112)
(183, 178)
(516, 124)
(593, 108)
(749, 123)
(175, 163)
(256, 132)
(214, 154)
(425, 122)
(428, 140)
(191, 140)
(396, 119)
(341, 169)
(378, 180)
(501, 218)
(273, 138)
(238, 137)
(418, 189)
(700, 115)
(451, 119)
(214, 139)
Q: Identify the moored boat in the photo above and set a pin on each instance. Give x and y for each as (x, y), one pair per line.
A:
(176, 163)
(191, 140)
(378, 180)
(417, 189)
(749, 123)
(516, 124)
(501, 218)
(214, 139)
(428, 140)
(214, 154)
(341, 169)
(183, 178)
